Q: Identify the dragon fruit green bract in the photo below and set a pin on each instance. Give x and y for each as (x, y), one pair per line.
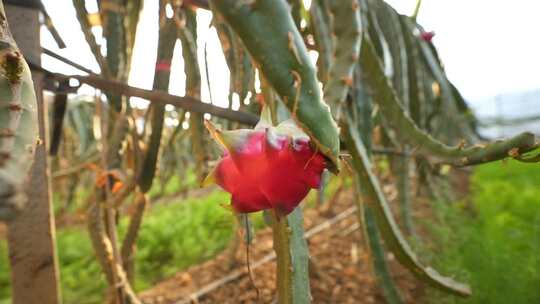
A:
(269, 167)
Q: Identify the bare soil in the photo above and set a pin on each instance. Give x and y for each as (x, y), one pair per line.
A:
(340, 268)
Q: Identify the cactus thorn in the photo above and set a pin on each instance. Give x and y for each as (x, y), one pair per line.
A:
(15, 106)
(292, 47)
(297, 84)
(13, 66)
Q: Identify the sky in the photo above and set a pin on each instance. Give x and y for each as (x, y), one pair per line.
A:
(488, 47)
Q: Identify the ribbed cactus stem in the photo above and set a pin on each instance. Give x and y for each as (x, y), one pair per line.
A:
(240, 67)
(393, 238)
(404, 188)
(268, 32)
(372, 236)
(383, 93)
(18, 123)
(415, 76)
(188, 36)
(86, 27)
(416, 9)
(388, 21)
(166, 41)
(292, 258)
(346, 29)
(321, 21)
(361, 110)
(281, 236)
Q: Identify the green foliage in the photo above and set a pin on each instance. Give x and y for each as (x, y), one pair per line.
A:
(494, 243)
(172, 237)
(80, 274)
(4, 273)
(175, 185)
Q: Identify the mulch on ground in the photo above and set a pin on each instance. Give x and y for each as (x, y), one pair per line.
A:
(340, 268)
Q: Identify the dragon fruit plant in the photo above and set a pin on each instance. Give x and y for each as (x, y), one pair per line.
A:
(18, 124)
(268, 167)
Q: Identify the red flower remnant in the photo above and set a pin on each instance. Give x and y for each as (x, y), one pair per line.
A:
(427, 36)
(269, 167)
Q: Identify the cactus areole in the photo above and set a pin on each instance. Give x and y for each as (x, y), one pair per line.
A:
(269, 167)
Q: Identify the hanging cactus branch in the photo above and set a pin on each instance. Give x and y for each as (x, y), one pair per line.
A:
(346, 29)
(86, 28)
(292, 258)
(322, 25)
(366, 216)
(18, 123)
(373, 195)
(267, 29)
(408, 131)
(187, 32)
(166, 41)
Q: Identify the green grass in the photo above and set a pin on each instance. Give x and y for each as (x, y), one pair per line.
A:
(176, 236)
(173, 237)
(493, 243)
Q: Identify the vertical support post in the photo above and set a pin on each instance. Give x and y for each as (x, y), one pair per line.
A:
(32, 236)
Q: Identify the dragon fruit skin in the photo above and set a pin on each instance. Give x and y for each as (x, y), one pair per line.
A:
(269, 167)
(427, 36)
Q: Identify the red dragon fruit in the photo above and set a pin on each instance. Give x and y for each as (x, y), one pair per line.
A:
(269, 167)
(427, 36)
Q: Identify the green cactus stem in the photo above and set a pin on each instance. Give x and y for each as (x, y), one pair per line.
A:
(292, 258)
(82, 17)
(372, 236)
(297, 10)
(388, 21)
(278, 50)
(383, 93)
(188, 36)
(321, 193)
(112, 18)
(18, 123)
(416, 9)
(131, 20)
(240, 67)
(373, 196)
(415, 75)
(530, 157)
(445, 112)
(321, 23)
(346, 29)
(361, 111)
(404, 186)
(166, 41)
(59, 111)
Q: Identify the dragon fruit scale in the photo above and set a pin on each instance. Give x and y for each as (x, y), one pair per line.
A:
(268, 167)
